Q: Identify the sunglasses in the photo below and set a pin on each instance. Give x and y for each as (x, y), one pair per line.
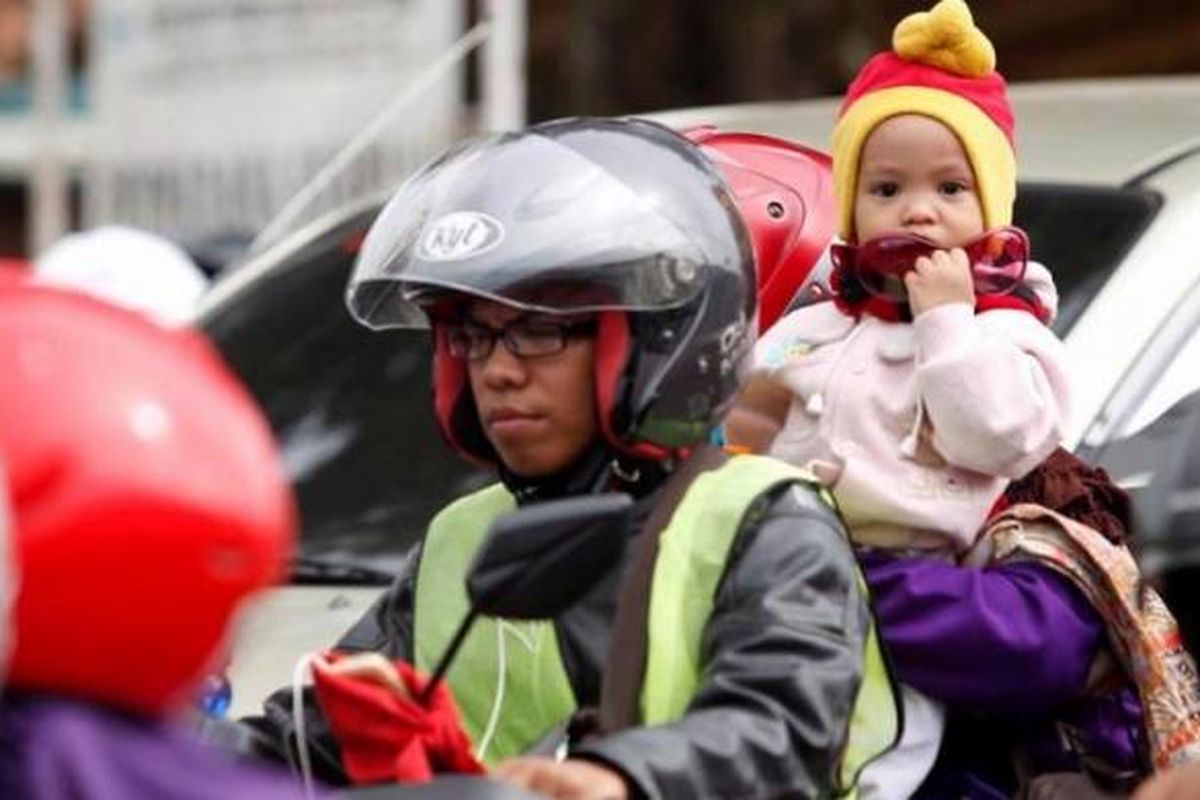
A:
(998, 259)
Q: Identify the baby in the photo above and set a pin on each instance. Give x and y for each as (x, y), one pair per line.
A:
(933, 379)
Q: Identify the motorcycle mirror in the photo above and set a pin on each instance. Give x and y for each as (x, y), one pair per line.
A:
(539, 560)
(1168, 516)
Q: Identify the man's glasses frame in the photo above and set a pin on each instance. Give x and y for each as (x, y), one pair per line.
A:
(470, 340)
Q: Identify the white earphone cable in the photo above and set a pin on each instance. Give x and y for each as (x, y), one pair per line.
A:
(300, 674)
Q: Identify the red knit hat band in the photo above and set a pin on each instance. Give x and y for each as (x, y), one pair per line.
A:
(886, 70)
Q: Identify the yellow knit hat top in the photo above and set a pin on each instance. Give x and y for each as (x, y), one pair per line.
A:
(946, 38)
(940, 66)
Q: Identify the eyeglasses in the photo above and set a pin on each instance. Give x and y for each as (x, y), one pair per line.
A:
(524, 338)
(998, 259)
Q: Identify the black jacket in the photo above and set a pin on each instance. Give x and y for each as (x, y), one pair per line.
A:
(782, 665)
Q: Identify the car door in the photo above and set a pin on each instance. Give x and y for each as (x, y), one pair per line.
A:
(1134, 432)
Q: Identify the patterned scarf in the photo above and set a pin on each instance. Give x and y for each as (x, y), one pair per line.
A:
(1143, 635)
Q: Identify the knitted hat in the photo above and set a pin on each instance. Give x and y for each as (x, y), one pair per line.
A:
(941, 66)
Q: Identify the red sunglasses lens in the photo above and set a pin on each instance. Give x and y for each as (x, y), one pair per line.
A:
(842, 255)
(883, 262)
(893, 254)
(998, 260)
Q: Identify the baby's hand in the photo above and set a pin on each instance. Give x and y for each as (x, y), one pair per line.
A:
(944, 277)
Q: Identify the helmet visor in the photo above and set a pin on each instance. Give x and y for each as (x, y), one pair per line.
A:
(528, 220)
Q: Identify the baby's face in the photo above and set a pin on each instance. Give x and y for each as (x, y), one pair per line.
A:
(914, 177)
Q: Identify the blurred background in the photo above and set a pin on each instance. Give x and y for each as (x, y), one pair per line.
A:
(181, 137)
(200, 119)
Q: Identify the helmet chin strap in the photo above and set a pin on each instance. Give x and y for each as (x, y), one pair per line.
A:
(629, 474)
(598, 469)
(581, 476)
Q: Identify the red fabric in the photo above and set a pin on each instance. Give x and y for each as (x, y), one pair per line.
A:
(454, 404)
(1030, 303)
(386, 738)
(612, 355)
(614, 344)
(853, 301)
(887, 70)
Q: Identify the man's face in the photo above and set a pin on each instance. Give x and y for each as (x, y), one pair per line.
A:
(914, 177)
(538, 412)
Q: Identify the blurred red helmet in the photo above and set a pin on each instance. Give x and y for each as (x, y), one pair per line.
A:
(148, 500)
(784, 192)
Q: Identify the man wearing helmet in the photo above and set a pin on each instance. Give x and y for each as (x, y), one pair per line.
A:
(591, 293)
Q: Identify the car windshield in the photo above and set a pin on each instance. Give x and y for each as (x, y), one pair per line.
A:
(1082, 233)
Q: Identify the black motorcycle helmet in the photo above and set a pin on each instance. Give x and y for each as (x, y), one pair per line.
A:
(619, 217)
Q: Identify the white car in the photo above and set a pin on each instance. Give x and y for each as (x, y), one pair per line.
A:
(1110, 194)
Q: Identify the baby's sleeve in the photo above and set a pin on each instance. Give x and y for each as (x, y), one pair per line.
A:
(994, 386)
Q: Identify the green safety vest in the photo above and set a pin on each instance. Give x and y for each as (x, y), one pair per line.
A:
(509, 679)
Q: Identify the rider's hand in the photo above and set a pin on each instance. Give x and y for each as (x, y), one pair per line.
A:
(370, 667)
(940, 279)
(563, 780)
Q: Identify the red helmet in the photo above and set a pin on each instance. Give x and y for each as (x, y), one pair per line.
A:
(7, 579)
(147, 499)
(784, 192)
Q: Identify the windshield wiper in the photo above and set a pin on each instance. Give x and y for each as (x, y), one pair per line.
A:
(319, 570)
